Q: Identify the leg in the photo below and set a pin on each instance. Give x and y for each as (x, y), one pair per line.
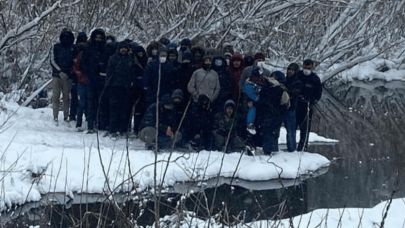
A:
(290, 124)
(147, 135)
(66, 85)
(56, 90)
(74, 101)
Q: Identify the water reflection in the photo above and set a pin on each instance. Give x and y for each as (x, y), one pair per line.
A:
(367, 118)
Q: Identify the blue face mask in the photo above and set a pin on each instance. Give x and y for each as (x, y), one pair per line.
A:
(218, 62)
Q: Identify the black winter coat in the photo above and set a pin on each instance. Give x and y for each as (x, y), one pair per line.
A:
(166, 118)
(121, 71)
(225, 81)
(94, 60)
(63, 56)
(268, 106)
(294, 86)
(150, 78)
(311, 88)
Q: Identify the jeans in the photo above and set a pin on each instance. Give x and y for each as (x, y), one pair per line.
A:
(289, 119)
(86, 102)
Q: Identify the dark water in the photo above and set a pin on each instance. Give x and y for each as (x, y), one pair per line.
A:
(368, 119)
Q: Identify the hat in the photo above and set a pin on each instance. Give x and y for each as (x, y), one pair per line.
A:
(293, 66)
(280, 77)
(228, 54)
(81, 37)
(163, 49)
(185, 42)
(166, 99)
(177, 94)
(258, 55)
(187, 55)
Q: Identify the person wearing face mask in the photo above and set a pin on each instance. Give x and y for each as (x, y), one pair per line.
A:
(225, 81)
(204, 81)
(310, 94)
(158, 72)
(258, 62)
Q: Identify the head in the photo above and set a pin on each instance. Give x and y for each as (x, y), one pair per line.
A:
(123, 48)
(187, 58)
(177, 96)
(229, 107)
(228, 56)
(249, 61)
(292, 69)
(258, 57)
(227, 47)
(81, 38)
(172, 55)
(110, 38)
(237, 60)
(97, 37)
(279, 76)
(165, 41)
(163, 53)
(207, 62)
(172, 46)
(307, 67)
(185, 44)
(167, 102)
(66, 37)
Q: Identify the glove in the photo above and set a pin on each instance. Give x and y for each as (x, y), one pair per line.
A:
(63, 76)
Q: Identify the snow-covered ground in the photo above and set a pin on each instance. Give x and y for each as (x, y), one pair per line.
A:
(38, 157)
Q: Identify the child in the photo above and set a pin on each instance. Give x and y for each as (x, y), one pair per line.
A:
(252, 88)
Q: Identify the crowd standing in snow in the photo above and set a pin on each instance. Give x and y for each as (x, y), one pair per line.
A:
(181, 95)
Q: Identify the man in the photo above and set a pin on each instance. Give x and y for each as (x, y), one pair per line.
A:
(204, 81)
(227, 121)
(236, 67)
(158, 72)
(121, 73)
(288, 116)
(62, 60)
(225, 81)
(185, 44)
(309, 95)
(166, 125)
(247, 72)
(93, 64)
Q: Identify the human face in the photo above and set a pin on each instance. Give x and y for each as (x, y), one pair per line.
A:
(123, 51)
(229, 110)
(307, 67)
(139, 54)
(207, 61)
(236, 63)
(98, 37)
(172, 57)
(290, 72)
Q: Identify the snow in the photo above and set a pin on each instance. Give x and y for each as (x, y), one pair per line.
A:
(38, 157)
(343, 217)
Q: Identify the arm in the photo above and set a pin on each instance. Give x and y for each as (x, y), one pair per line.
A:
(217, 86)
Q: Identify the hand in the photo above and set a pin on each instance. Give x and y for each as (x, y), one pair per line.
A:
(63, 76)
(197, 136)
(169, 132)
(250, 104)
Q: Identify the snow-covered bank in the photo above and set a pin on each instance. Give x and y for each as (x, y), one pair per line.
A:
(322, 218)
(38, 157)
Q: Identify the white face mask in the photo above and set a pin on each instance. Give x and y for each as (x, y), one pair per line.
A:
(162, 59)
(228, 61)
(260, 64)
(307, 72)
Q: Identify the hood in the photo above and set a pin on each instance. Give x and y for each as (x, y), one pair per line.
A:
(186, 42)
(172, 51)
(236, 56)
(188, 55)
(172, 46)
(229, 102)
(122, 44)
(166, 99)
(111, 37)
(97, 31)
(165, 41)
(66, 37)
(153, 45)
(177, 94)
(81, 37)
(280, 77)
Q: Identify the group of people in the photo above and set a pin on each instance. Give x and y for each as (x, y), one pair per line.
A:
(181, 95)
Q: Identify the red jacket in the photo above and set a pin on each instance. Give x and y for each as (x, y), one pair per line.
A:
(236, 74)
